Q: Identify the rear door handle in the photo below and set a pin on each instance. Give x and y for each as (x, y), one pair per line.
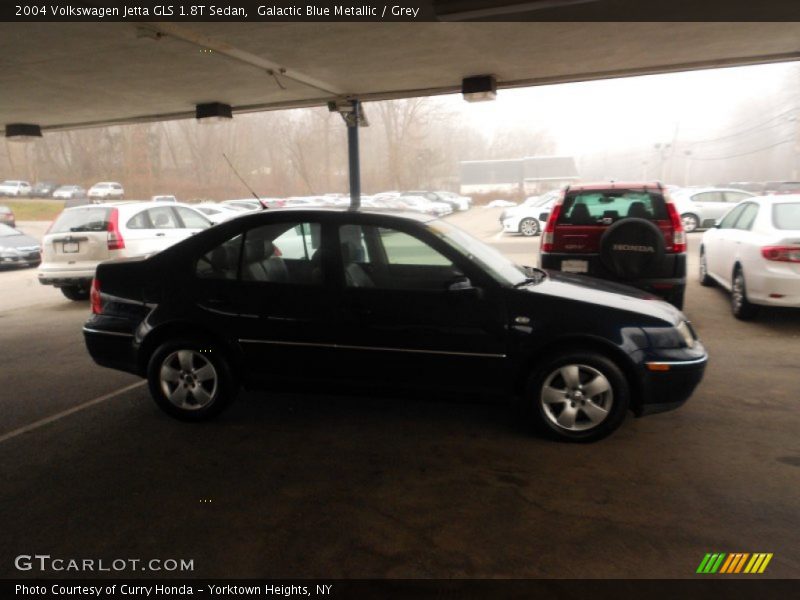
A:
(160, 234)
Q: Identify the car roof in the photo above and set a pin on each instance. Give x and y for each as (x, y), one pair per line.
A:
(128, 205)
(341, 211)
(614, 185)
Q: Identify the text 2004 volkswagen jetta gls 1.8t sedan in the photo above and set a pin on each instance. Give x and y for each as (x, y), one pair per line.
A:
(388, 301)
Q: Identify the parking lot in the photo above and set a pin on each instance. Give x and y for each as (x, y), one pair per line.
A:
(302, 485)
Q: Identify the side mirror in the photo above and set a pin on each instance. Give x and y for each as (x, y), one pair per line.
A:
(544, 216)
(463, 286)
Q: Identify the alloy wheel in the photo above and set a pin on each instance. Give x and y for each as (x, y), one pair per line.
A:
(689, 223)
(188, 379)
(576, 397)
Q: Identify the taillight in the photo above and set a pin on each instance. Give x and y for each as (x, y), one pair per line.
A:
(781, 253)
(94, 297)
(678, 234)
(115, 240)
(548, 236)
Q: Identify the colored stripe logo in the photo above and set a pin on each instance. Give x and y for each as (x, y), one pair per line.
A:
(734, 563)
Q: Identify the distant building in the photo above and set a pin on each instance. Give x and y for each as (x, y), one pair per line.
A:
(530, 175)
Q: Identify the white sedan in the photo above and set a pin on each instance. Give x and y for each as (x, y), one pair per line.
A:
(754, 252)
(524, 218)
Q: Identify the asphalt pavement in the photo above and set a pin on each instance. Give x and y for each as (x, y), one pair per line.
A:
(311, 485)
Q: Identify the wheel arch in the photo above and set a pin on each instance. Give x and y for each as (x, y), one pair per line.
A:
(184, 329)
(584, 343)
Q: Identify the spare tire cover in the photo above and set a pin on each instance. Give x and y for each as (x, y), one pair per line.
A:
(630, 246)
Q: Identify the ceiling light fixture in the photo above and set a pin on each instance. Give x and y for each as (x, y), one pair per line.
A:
(23, 132)
(479, 88)
(213, 112)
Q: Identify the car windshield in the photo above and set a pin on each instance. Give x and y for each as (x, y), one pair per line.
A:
(786, 215)
(86, 219)
(491, 260)
(6, 231)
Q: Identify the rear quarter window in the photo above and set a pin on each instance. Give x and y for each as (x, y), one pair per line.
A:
(603, 207)
(88, 219)
(786, 215)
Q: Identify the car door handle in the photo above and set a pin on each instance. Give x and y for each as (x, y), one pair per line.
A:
(160, 234)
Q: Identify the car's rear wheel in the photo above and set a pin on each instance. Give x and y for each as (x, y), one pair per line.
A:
(191, 380)
(529, 227)
(705, 279)
(690, 222)
(75, 292)
(579, 396)
(741, 307)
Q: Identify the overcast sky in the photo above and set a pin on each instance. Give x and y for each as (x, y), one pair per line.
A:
(617, 114)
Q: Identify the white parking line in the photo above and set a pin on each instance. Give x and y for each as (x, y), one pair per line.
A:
(66, 413)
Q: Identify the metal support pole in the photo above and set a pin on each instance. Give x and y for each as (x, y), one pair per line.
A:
(353, 156)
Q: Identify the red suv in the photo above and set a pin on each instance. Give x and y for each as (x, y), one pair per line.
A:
(626, 232)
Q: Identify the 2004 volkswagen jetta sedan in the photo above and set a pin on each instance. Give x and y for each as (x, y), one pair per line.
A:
(389, 301)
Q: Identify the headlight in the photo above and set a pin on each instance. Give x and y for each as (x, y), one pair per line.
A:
(686, 333)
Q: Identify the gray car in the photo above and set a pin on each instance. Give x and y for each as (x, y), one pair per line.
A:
(700, 208)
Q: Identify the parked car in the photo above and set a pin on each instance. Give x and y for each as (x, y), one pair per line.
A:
(7, 216)
(464, 202)
(70, 192)
(106, 190)
(626, 232)
(166, 198)
(217, 213)
(701, 208)
(370, 299)
(83, 236)
(754, 253)
(423, 205)
(243, 205)
(18, 249)
(782, 187)
(525, 218)
(43, 189)
(14, 187)
(453, 202)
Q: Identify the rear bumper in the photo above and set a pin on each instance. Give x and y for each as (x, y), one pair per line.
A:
(668, 384)
(60, 277)
(662, 280)
(111, 348)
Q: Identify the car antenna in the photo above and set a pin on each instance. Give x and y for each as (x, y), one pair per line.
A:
(235, 172)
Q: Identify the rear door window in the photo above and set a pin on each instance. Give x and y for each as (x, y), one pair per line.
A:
(786, 215)
(603, 207)
(163, 218)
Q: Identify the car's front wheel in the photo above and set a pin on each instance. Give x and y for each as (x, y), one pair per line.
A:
(75, 292)
(579, 396)
(191, 380)
(529, 227)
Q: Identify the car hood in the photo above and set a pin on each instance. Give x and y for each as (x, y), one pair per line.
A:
(18, 241)
(608, 294)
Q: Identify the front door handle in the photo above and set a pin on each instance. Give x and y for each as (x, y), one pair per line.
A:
(160, 234)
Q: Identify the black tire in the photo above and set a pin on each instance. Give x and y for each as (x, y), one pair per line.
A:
(741, 307)
(690, 222)
(220, 393)
(75, 292)
(529, 227)
(547, 381)
(705, 279)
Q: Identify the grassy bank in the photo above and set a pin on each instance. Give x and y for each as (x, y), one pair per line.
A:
(34, 210)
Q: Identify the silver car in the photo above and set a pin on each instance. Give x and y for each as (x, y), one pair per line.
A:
(701, 208)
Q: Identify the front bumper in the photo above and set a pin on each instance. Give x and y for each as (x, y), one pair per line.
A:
(668, 382)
